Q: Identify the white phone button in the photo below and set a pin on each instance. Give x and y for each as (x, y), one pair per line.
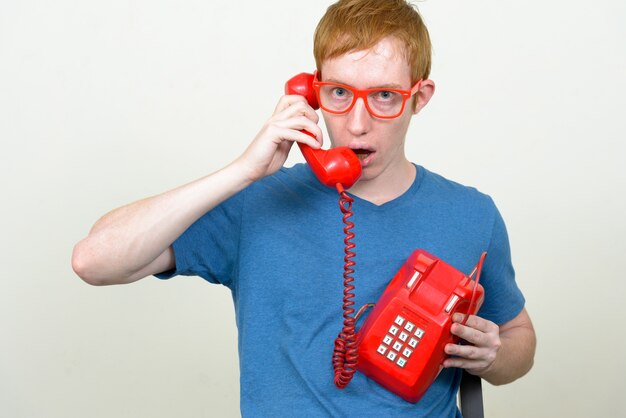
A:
(392, 355)
(382, 349)
(407, 352)
(413, 342)
(397, 346)
(399, 320)
(419, 333)
(401, 362)
(409, 326)
(388, 339)
(393, 330)
(403, 336)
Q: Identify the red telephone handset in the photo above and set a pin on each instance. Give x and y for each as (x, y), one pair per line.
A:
(334, 166)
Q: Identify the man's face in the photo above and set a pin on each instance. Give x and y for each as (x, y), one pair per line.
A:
(378, 142)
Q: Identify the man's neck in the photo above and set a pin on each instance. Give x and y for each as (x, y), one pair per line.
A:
(387, 186)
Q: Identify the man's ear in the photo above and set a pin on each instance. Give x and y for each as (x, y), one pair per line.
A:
(423, 95)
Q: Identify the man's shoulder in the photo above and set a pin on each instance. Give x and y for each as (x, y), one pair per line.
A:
(292, 184)
(296, 177)
(440, 187)
(296, 173)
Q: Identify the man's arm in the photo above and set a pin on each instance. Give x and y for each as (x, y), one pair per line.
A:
(499, 355)
(135, 241)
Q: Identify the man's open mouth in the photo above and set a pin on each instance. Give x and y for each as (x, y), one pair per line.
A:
(362, 153)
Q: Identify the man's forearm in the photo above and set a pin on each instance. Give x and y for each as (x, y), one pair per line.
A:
(515, 357)
(129, 238)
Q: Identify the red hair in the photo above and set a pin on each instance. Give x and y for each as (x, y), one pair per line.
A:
(354, 25)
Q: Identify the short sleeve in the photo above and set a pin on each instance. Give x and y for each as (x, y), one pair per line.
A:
(209, 248)
(503, 298)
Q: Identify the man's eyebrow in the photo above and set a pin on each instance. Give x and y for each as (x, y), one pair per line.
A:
(382, 86)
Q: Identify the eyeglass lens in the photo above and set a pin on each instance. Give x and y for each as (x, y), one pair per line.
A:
(381, 102)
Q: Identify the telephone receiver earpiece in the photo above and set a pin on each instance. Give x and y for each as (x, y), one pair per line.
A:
(332, 167)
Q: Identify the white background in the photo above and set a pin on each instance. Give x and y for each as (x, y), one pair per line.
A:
(104, 103)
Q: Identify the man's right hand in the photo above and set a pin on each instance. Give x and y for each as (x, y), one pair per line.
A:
(267, 153)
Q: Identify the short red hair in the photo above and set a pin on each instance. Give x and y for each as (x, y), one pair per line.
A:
(355, 25)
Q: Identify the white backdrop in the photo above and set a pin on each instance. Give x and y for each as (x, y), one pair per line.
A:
(103, 103)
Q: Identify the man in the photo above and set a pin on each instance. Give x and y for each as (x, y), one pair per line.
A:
(274, 235)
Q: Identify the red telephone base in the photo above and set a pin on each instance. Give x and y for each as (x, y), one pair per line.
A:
(401, 343)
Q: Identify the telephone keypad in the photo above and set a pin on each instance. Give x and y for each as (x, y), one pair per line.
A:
(400, 341)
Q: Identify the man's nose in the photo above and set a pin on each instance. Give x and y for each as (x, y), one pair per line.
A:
(359, 119)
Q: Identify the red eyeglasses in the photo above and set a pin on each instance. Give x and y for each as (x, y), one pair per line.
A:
(384, 103)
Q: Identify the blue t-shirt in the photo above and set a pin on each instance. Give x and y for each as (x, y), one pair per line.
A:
(278, 246)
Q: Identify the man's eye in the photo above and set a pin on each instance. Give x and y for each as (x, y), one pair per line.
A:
(385, 95)
(339, 92)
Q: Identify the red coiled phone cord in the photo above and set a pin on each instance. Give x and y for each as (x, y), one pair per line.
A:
(345, 354)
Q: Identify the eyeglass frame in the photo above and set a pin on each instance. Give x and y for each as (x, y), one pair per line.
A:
(363, 94)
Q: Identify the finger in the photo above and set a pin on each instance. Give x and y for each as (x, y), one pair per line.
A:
(299, 108)
(293, 135)
(475, 359)
(470, 335)
(288, 101)
(301, 122)
(470, 352)
(458, 317)
(475, 322)
(461, 363)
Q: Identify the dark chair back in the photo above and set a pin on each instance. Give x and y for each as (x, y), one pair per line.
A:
(471, 396)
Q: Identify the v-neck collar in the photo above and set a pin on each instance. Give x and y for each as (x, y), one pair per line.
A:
(366, 204)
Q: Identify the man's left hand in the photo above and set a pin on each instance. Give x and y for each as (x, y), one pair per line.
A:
(483, 343)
